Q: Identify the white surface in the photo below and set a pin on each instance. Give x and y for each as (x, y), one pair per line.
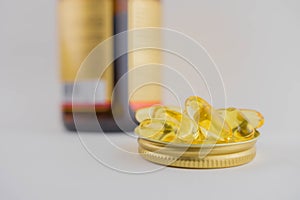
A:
(256, 46)
(54, 165)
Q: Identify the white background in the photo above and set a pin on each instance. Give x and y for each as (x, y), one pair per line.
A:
(256, 46)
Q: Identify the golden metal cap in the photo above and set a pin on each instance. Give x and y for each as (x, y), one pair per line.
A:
(198, 156)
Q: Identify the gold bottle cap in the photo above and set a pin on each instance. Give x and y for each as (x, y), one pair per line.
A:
(198, 156)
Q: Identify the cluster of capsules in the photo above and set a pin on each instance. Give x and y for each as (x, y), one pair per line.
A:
(198, 123)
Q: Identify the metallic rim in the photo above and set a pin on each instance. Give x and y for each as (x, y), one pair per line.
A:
(217, 156)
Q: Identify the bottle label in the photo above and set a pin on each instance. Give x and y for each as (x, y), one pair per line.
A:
(83, 24)
(84, 94)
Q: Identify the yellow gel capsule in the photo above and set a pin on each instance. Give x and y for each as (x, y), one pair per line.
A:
(167, 137)
(238, 122)
(254, 118)
(158, 130)
(148, 113)
(185, 128)
(151, 128)
(209, 121)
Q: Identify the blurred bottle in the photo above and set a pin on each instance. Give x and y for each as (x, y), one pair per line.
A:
(144, 63)
(83, 24)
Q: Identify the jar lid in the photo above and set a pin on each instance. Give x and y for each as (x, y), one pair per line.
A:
(198, 156)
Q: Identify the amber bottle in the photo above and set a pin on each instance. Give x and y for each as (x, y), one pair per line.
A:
(83, 24)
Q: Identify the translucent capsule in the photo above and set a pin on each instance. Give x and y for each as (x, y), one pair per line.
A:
(185, 128)
(239, 123)
(256, 119)
(148, 113)
(209, 121)
(150, 127)
(167, 136)
(156, 129)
